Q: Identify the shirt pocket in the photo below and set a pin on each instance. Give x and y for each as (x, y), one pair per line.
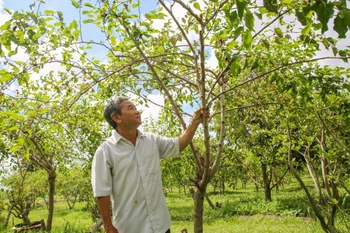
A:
(152, 162)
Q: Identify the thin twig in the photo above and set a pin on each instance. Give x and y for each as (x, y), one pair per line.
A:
(274, 20)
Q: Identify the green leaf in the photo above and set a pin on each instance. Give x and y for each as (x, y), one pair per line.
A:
(113, 40)
(240, 7)
(324, 12)
(231, 45)
(335, 51)
(136, 5)
(233, 19)
(5, 26)
(301, 18)
(49, 12)
(89, 5)
(13, 52)
(47, 19)
(271, 5)
(267, 44)
(86, 21)
(12, 115)
(34, 17)
(60, 15)
(247, 39)
(173, 40)
(340, 26)
(317, 26)
(74, 24)
(237, 33)
(4, 77)
(197, 6)
(279, 32)
(149, 16)
(343, 53)
(235, 66)
(306, 29)
(13, 128)
(75, 4)
(8, 11)
(249, 20)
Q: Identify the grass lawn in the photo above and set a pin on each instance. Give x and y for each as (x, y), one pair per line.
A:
(241, 210)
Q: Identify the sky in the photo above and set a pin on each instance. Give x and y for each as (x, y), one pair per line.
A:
(70, 13)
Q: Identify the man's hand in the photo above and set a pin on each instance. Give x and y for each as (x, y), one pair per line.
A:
(111, 229)
(186, 137)
(104, 204)
(199, 114)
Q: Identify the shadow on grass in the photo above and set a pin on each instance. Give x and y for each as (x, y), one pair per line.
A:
(294, 206)
(283, 204)
(228, 193)
(181, 213)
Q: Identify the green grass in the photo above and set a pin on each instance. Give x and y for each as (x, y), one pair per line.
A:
(245, 210)
(242, 210)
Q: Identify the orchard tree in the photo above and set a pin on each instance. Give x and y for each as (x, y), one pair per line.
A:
(70, 185)
(35, 128)
(171, 54)
(318, 122)
(22, 186)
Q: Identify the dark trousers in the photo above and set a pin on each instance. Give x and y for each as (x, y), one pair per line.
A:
(168, 231)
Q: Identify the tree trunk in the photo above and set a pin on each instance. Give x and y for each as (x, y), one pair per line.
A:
(333, 206)
(277, 185)
(8, 216)
(198, 197)
(52, 179)
(267, 189)
(26, 219)
(326, 227)
(222, 185)
(314, 177)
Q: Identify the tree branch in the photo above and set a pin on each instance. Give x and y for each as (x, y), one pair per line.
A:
(222, 134)
(333, 135)
(216, 11)
(301, 182)
(179, 26)
(273, 70)
(190, 11)
(243, 107)
(177, 76)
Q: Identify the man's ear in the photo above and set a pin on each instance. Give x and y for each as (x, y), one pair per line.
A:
(116, 118)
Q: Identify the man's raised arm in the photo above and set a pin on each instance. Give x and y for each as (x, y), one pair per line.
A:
(186, 137)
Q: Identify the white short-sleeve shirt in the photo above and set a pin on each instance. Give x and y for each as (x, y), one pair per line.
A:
(131, 176)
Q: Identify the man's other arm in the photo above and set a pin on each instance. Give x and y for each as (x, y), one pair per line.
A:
(104, 204)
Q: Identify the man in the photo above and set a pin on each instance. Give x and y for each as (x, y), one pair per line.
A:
(126, 171)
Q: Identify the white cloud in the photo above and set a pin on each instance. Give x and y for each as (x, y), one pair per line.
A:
(152, 110)
(212, 61)
(179, 13)
(4, 16)
(154, 105)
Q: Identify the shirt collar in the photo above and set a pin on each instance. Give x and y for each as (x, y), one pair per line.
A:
(116, 136)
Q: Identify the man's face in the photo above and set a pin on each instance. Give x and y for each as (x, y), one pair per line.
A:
(130, 116)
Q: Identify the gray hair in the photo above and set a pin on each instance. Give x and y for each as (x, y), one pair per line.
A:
(113, 107)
